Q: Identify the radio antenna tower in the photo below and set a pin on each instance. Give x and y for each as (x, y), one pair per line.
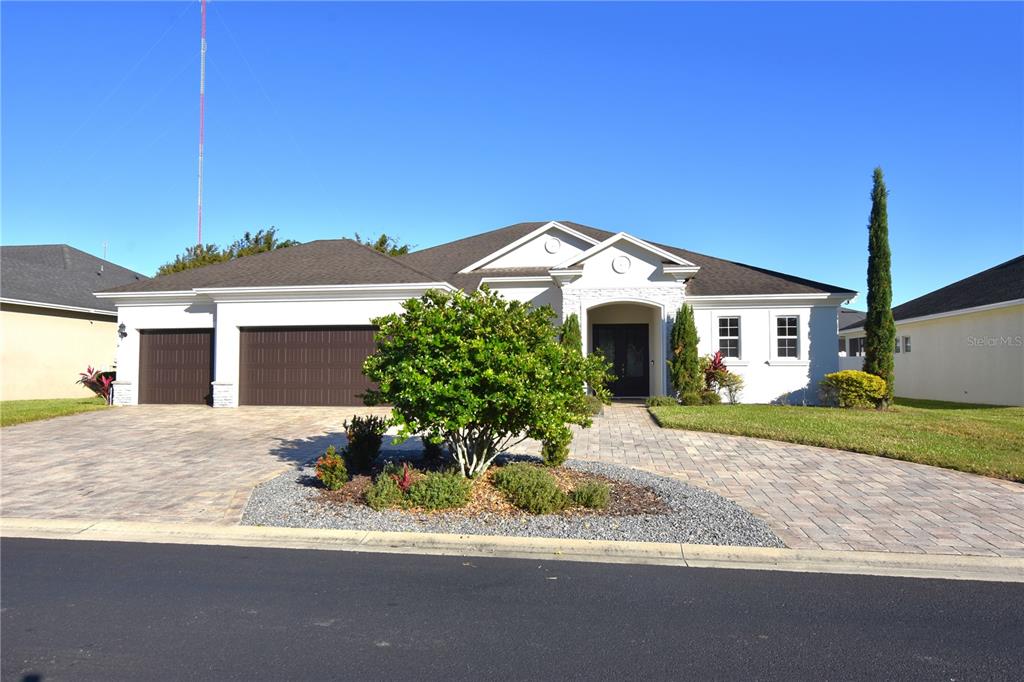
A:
(202, 112)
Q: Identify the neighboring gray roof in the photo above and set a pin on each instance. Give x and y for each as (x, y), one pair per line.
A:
(323, 262)
(343, 261)
(717, 277)
(58, 274)
(1004, 282)
(850, 318)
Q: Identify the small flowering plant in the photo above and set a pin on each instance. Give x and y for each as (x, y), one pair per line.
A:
(97, 381)
(330, 469)
(404, 479)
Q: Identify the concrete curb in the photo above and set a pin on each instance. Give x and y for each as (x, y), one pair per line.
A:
(551, 549)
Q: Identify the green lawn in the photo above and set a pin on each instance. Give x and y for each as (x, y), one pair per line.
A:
(976, 438)
(21, 411)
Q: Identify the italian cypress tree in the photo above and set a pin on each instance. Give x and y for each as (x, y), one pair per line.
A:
(879, 327)
(571, 335)
(684, 364)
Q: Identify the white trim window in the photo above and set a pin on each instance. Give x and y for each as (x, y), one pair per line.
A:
(897, 344)
(787, 337)
(906, 344)
(856, 347)
(729, 337)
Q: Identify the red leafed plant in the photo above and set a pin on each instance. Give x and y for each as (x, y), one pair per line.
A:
(97, 381)
(404, 480)
(714, 370)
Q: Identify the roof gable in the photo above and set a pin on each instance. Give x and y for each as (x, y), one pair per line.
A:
(658, 252)
(546, 241)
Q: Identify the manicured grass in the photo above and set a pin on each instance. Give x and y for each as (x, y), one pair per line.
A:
(979, 439)
(21, 411)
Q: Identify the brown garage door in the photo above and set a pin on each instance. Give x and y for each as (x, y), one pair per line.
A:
(175, 366)
(304, 365)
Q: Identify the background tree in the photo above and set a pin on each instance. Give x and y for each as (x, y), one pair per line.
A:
(480, 373)
(389, 246)
(879, 327)
(571, 336)
(202, 255)
(684, 363)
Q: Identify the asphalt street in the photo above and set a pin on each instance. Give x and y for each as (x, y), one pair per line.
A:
(97, 610)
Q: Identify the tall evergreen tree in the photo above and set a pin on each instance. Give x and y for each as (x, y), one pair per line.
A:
(571, 335)
(879, 327)
(684, 363)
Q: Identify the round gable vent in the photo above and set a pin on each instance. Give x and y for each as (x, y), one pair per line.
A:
(552, 245)
(620, 264)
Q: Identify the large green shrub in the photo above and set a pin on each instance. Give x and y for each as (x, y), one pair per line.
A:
(530, 488)
(365, 434)
(555, 448)
(440, 491)
(480, 373)
(853, 388)
(684, 364)
(330, 469)
(592, 495)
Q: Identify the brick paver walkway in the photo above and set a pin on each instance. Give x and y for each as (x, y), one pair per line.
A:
(821, 498)
(195, 464)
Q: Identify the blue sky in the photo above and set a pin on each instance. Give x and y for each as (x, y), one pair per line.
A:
(745, 131)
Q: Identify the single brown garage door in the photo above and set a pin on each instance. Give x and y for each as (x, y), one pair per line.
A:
(175, 366)
(304, 365)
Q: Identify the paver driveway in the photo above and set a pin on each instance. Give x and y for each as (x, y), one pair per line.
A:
(822, 498)
(169, 463)
(195, 464)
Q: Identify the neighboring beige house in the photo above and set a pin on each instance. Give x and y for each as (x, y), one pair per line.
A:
(51, 325)
(962, 343)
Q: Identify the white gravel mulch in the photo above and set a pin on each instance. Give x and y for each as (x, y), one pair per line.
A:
(697, 515)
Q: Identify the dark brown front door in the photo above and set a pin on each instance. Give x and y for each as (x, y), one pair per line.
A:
(175, 366)
(625, 346)
(304, 365)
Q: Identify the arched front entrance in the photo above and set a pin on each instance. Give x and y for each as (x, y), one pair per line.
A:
(631, 336)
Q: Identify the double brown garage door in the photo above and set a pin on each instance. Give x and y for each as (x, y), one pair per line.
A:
(278, 365)
(304, 365)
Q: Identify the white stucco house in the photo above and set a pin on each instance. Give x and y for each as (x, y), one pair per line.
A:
(961, 343)
(292, 326)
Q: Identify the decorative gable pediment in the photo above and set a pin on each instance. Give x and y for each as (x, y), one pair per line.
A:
(624, 260)
(544, 247)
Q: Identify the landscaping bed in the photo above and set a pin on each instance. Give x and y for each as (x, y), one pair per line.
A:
(641, 507)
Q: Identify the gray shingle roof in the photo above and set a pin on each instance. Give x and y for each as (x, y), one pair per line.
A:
(717, 277)
(323, 262)
(1004, 282)
(59, 275)
(343, 261)
(850, 318)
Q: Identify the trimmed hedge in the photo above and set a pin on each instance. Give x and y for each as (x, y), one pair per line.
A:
(853, 388)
